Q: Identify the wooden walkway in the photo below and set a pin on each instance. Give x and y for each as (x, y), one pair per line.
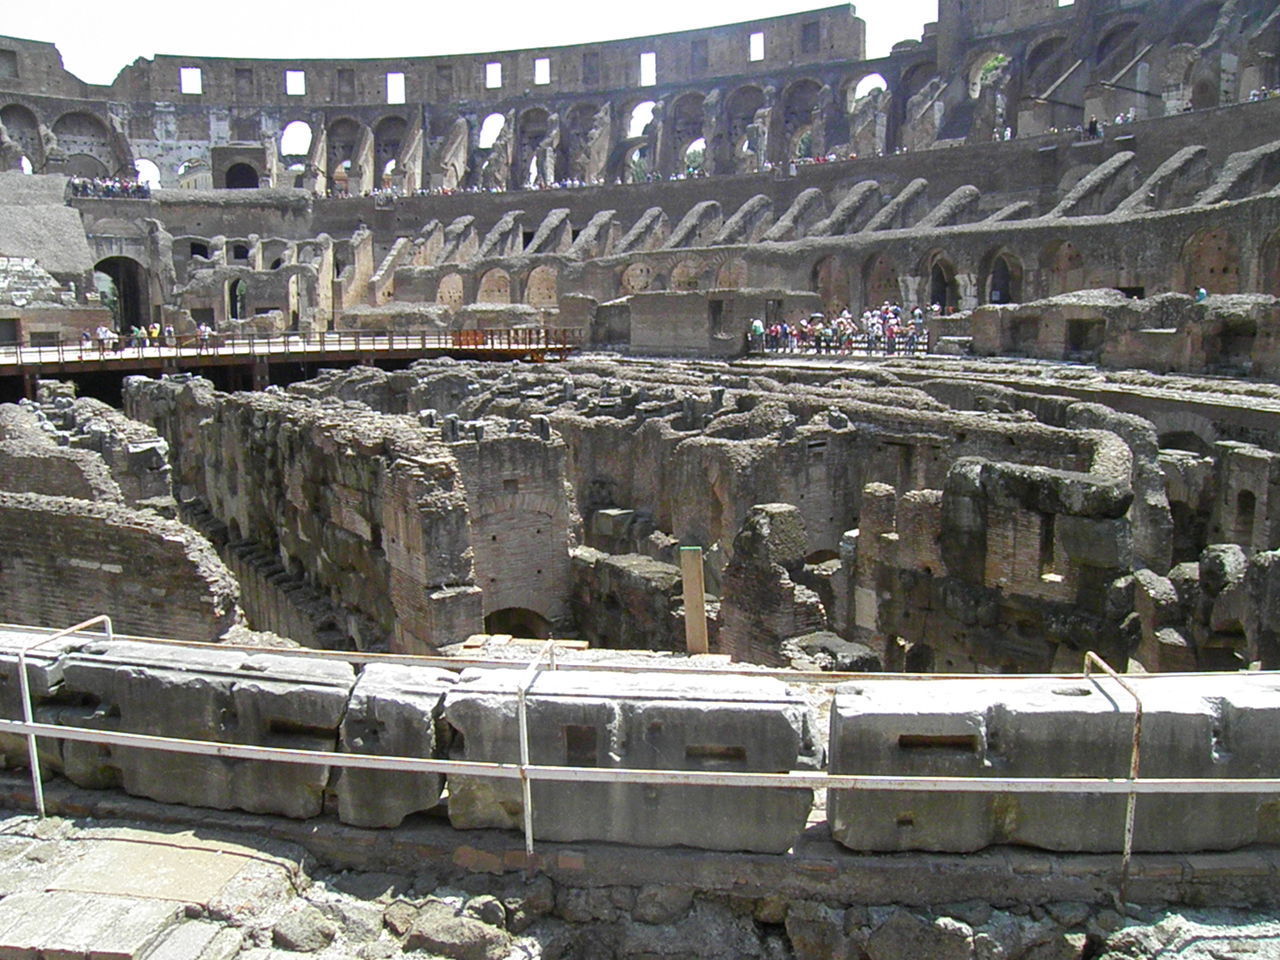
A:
(33, 363)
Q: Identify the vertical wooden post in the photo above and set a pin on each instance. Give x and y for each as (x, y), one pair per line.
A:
(695, 600)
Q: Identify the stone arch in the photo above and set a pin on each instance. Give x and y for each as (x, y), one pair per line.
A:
(687, 275)
(880, 281)
(732, 274)
(343, 138)
(495, 287)
(742, 143)
(799, 101)
(532, 127)
(129, 296)
(388, 137)
(574, 160)
(518, 622)
(685, 121)
(449, 290)
(1197, 24)
(916, 77)
(1205, 93)
(1269, 266)
(148, 172)
(24, 130)
(87, 143)
(1118, 39)
(296, 139)
(940, 281)
(1063, 266)
(490, 129)
(859, 87)
(237, 299)
(240, 176)
(541, 288)
(830, 281)
(1042, 60)
(975, 71)
(1002, 277)
(636, 278)
(1211, 259)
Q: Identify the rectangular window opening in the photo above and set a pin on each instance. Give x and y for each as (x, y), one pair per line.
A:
(395, 88)
(712, 754)
(756, 47)
(295, 83)
(962, 742)
(591, 68)
(542, 71)
(492, 76)
(191, 80)
(580, 746)
(810, 36)
(648, 69)
(8, 64)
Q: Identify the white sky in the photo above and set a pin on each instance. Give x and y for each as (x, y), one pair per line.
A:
(97, 40)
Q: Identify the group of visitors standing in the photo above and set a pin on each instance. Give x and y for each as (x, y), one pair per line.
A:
(886, 330)
(139, 336)
(109, 188)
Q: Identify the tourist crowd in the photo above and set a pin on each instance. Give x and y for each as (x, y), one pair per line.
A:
(110, 188)
(886, 330)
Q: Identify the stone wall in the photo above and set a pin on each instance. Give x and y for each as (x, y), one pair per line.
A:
(68, 560)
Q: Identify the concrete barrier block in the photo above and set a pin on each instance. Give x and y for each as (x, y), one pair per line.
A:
(605, 719)
(1193, 727)
(227, 696)
(392, 712)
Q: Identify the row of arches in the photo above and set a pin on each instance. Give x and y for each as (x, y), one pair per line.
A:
(539, 288)
(83, 139)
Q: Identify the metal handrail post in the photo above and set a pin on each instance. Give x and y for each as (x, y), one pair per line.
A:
(526, 787)
(28, 715)
(1135, 760)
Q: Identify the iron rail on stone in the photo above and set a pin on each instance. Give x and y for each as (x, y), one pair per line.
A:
(714, 760)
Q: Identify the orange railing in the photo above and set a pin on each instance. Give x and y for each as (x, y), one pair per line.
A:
(533, 340)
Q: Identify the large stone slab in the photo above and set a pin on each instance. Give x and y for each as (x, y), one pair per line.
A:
(1193, 727)
(653, 721)
(73, 926)
(228, 696)
(393, 711)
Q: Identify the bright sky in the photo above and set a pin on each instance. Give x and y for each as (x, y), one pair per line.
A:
(97, 40)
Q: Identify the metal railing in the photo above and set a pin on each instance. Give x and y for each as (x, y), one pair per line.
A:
(552, 340)
(527, 772)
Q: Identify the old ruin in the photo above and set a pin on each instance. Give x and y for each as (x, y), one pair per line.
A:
(422, 612)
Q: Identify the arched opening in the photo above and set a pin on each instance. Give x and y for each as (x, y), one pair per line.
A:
(518, 622)
(531, 130)
(388, 174)
(147, 172)
(87, 143)
(1246, 505)
(686, 275)
(540, 289)
(880, 282)
(1197, 25)
(866, 86)
(573, 161)
(830, 281)
(635, 164)
(943, 289)
(495, 287)
(641, 117)
(799, 110)
(916, 78)
(744, 133)
(121, 283)
(1005, 282)
(241, 176)
(449, 291)
(686, 130)
(24, 165)
(490, 128)
(295, 140)
(1115, 41)
(24, 130)
(1041, 62)
(237, 300)
(695, 155)
(343, 138)
(1211, 260)
(1204, 94)
(983, 69)
(1066, 269)
(388, 138)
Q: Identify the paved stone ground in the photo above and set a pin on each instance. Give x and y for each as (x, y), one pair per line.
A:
(105, 889)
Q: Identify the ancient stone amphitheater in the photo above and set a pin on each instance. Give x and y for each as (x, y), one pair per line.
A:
(642, 653)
